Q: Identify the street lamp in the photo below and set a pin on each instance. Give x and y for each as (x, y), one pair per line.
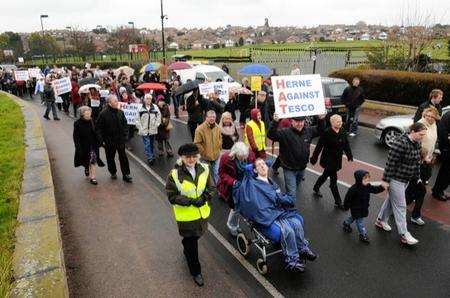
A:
(163, 16)
(132, 24)
(42, 28)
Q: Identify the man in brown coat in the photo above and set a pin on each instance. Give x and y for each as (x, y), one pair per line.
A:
(209, 142)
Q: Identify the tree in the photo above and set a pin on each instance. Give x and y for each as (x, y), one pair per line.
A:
(46, 44)
(12, 41)
(241, 41)
(121, 38)
(152, 44)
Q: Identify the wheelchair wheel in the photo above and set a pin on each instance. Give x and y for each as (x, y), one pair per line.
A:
(261, 266)
(242, 244)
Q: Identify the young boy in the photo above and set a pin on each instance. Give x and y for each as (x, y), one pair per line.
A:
(357, 200)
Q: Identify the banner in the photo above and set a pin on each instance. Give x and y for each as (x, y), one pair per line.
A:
(131, 111)
(255, 83)
(104, 93)
(220, 87)
(206, 88)
(296, 96)
(62, 86)
(21, 75)
(95, 103)
(34, 72)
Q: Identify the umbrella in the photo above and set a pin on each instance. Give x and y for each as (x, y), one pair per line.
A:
(85, 88)
(87, 81)
(179, 65)
(126, 69)
(152, 66)
(188, 87)
(255, 69)
(244, 90)
(151, 86)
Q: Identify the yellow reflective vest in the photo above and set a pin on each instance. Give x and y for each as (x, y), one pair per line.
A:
(193, 192)
(259, 135)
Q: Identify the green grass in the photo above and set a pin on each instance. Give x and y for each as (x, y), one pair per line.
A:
(12, 154)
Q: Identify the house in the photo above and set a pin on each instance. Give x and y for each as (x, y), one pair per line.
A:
(229, 43)
(365, 36)
(382, 36)
(293, 39)
(173, 46)
(197, 45)
(249, 41)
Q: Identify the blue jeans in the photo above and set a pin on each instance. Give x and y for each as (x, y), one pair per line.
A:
(292, 179)
(148, 145)
(292, 238)
(359, 224)
(51, 106)
(352, 119)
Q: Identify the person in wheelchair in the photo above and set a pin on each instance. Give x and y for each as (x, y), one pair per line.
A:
(260, 200)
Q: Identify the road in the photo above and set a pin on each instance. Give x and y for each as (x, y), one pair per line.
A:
(109, 239)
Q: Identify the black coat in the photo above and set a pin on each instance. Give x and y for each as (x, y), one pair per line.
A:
(112, 128)
(358, 196)
(195, 112)
(353, 97)
(332, 144)
(85, 140)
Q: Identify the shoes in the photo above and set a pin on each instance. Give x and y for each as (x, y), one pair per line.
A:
(198, 279)
(296, 267)
(364, 238)
(113, 176)
(127, 178)
(317, 193)
(56, 119)
(383, 225)
(346, 227)
(408, 239)
(440, 197)
(86, 172)
(352, 134)
(418, 221)
(151, 162)
(47, 117)
(93, 181)
(308, 254)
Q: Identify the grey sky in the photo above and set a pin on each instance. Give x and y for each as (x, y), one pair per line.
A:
(23, 16)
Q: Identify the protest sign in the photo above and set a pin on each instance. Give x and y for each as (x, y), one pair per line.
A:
(206, 88)
(21, 75)
(58, 99)
(20, 59)
(255, 83)
(34, 72)
(131, 111)
(300, 95)
(104, 93)
(87, 65)
(95, 103)
(62, 86)
(221, 88)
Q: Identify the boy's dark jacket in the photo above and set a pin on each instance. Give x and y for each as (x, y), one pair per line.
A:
(358, 196)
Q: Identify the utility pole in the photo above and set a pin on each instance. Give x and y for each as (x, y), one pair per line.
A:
(42, 40)
(162, 33)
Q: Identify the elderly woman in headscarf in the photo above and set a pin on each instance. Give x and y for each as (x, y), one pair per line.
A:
(231, 169)
(228, 130)
(86, 144)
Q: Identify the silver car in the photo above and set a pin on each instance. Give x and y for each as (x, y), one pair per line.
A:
(390, 128)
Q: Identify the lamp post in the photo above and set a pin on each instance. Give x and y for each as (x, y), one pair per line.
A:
(163, 16)
(42, 40)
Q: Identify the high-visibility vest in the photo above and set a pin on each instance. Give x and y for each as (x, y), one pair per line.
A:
(259, 135)
(193, 192)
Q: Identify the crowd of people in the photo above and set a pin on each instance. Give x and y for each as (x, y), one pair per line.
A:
(228, 157)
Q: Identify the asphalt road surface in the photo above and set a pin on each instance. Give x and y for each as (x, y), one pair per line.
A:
(120, 240)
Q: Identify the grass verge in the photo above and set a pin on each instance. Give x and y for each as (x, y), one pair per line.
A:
(12, 156)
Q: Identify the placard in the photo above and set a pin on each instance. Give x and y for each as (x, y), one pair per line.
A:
(300, 95)
(62, 86)
(131, 111)
(34, 72)
(104, 93)
(95, 103)
(206, 88)
(220, 87)
(21, 75)
(255, 83)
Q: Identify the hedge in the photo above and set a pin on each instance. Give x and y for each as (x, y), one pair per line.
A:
(401, 87)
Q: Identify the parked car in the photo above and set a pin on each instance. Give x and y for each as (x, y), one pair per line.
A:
(390, 128)
(203, 73)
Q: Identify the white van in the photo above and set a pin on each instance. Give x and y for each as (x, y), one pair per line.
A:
(206, 73)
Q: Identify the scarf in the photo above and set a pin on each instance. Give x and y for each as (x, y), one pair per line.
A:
(228, 130)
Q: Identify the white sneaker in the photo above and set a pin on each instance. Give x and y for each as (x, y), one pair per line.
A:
(352, 134)
(418, 221)
(383, 225)
(407, 238)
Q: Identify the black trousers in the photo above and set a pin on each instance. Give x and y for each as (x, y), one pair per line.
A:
(110, 151)
(192, 128)
(190, 245)
(443, 176)
(415, 192)
(276, 165)
(333, 183)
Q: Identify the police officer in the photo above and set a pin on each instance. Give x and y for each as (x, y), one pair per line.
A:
(190, 188)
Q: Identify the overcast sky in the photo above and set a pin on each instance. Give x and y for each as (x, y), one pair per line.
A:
(23, 16)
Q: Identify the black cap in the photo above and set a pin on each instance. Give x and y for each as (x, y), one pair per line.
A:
(302, 118)
(188, 149)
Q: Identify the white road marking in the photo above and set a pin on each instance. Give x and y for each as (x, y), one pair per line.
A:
(263, 281)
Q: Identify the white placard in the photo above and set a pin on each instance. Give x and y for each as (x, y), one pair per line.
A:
(34, 72)
(95, 103)
(104, 93)
(300, 95)
(58, 99)
(21, 75)
(206, 88)
(131, 111)
(20, 59)
(220, 87)
(62, 86)
(87, 65)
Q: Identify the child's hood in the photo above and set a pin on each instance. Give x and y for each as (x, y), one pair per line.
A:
(359, 175)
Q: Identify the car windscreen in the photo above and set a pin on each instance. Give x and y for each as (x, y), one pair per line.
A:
(336, 89)
(214, 75)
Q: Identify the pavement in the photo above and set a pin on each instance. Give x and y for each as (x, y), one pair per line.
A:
(120, 239)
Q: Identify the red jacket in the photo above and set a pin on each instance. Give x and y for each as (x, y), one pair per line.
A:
(76, 98)
(228, 174)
